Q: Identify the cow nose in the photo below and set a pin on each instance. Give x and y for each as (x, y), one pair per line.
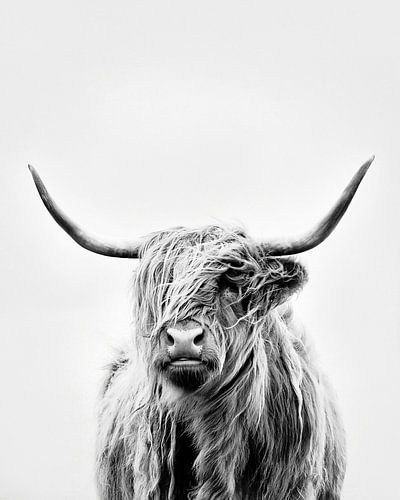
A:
(186, 342)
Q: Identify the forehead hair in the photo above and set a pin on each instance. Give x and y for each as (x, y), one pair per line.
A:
(207, 238)
(179, 270)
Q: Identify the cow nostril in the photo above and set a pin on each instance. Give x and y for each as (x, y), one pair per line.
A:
(198, 340)
(170, 340)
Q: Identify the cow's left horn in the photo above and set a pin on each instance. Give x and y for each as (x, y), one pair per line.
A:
(89, 241)
(324, 228)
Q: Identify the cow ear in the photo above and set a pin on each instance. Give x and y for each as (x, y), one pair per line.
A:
(284, 277)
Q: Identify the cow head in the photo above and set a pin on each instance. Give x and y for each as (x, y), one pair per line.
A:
(199, 294)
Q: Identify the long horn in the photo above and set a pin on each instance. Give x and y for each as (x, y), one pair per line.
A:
(324, 228)
(89, 241)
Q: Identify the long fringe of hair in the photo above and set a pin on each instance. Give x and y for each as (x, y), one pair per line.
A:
(265, 428)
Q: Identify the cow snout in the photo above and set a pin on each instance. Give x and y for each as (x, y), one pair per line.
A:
(185, 342)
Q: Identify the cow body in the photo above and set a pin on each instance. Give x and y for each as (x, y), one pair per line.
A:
(261, 424)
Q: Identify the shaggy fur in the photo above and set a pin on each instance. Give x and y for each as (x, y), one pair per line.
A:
(262, 422)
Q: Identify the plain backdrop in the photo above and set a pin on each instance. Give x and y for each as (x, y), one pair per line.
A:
(146, 115)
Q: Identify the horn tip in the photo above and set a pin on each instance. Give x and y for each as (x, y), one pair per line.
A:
(32, 170)
(36, 177)
(365, 166)
(371, 160)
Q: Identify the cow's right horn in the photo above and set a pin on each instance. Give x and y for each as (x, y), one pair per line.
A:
(324, 228)
(87, 240)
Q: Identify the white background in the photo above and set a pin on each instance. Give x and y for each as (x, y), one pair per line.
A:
(145, 115)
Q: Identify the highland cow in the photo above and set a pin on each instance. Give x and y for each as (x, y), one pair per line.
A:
(218, 395)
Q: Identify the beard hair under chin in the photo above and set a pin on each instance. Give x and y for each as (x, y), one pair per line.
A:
(188, 379)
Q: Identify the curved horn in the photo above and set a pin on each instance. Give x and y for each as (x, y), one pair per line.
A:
(85, 239)
(324, 228)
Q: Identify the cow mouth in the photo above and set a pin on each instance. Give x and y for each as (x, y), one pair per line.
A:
(187, 373)
(186, 362)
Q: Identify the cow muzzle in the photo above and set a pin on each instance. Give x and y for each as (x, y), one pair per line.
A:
(185, 343)
(188, 355)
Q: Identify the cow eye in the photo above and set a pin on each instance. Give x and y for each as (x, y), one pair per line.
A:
(235, 276)
(225, 282)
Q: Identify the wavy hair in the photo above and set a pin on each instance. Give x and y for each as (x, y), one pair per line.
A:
(263, 427)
